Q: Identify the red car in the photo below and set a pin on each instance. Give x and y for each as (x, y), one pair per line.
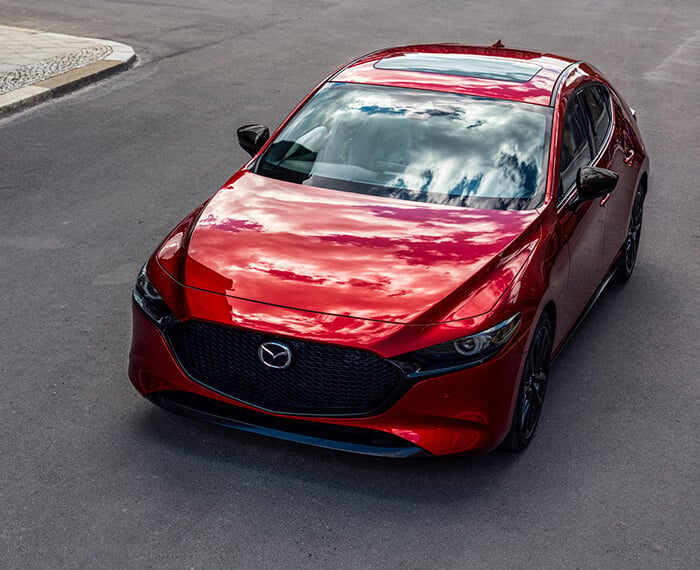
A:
(394, 270)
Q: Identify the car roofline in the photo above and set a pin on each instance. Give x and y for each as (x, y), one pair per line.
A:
(541, 88)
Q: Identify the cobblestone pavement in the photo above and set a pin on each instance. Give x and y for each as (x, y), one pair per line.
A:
(35, 65)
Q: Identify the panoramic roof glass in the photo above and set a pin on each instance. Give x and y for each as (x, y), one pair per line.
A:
(461, 65)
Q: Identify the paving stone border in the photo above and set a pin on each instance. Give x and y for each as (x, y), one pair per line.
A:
(28, 74)
(28, 84)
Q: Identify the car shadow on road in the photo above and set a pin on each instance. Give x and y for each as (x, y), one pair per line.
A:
(216, 455)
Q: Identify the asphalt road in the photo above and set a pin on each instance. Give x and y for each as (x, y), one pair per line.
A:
(92, 476)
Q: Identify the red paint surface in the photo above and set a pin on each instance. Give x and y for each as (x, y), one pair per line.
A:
(350, 254)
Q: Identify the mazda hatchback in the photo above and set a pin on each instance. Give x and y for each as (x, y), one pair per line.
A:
(395, 268)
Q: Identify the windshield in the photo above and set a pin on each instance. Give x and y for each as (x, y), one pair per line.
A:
(416, 145)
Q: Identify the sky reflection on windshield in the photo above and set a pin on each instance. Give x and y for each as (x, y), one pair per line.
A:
(415, 145)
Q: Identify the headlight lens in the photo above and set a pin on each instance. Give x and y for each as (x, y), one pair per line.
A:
(460, 353)
(150, 301)
(489, 340)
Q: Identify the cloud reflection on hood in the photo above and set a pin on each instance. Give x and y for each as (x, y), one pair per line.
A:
(341, 253)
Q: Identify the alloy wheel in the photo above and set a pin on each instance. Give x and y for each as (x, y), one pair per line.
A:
(535, 382)
(533, 386)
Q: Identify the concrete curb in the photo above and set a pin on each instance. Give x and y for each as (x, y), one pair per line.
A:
(120, 58)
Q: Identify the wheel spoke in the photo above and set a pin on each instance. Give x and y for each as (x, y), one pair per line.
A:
(532, 418)
(537, 392)
(525, 420)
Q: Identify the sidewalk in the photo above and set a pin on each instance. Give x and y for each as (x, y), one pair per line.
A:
(36, 65)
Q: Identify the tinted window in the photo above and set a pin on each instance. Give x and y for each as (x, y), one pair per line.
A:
(598, 103)
(415, 145)
(575, 148)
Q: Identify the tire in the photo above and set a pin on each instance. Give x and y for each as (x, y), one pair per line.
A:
(533, 386)
(630, 249)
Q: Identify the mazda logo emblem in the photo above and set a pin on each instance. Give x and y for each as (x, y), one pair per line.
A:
(275, 355)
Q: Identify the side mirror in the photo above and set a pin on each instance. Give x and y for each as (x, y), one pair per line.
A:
(252, 137)
(593, 182)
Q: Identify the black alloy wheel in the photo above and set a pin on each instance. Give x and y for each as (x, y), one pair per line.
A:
(533, 386)
(628, 258)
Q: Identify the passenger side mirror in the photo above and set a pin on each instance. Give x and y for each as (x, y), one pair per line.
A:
(594, 182)
(253, 137)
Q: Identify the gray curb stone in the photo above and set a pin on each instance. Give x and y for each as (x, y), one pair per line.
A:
(29, 84)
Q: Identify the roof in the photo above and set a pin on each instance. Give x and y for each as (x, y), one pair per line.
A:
(514, 75)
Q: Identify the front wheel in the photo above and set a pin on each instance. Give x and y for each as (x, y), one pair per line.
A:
(533, 386)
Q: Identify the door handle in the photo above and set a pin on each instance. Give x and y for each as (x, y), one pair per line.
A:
(629, 157)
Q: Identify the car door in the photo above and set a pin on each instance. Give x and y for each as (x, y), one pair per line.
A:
(615, 151)
(581, 226)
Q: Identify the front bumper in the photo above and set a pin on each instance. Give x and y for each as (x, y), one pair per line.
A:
(343, 438)
(460, 412)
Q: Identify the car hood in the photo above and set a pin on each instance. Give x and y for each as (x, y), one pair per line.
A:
(348, 254)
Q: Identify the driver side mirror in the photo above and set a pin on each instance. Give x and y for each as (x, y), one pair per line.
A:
(594, 182)
(252, 137)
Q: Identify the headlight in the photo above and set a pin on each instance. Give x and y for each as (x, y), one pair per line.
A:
(460, 353)
(151, 302)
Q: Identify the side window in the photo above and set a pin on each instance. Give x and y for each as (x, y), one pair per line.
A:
(575, 148)
(598, 102)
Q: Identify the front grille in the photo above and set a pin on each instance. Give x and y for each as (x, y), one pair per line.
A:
(322, 379)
